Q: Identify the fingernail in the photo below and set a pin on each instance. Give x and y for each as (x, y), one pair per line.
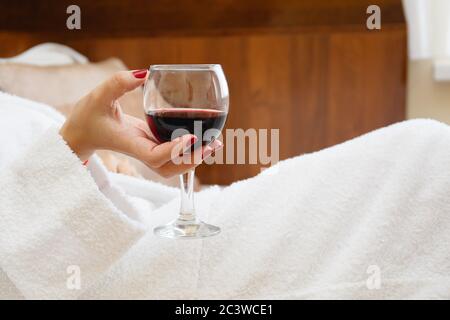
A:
(140, 74)
(191, 142)
(207, 152)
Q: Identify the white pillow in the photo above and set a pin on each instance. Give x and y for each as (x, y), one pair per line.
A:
(48, 54)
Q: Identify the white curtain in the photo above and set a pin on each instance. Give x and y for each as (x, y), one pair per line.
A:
(428, 28)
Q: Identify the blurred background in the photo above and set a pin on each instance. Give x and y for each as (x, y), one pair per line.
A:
(310, 68)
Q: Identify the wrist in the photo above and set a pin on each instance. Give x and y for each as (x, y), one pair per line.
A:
(76, 142)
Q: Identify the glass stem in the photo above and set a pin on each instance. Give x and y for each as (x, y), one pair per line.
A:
(187, 210)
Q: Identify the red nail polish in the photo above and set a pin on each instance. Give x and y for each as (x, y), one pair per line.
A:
(140, 74)
(193, 140)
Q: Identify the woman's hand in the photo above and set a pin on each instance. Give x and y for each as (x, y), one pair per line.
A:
(97, 122)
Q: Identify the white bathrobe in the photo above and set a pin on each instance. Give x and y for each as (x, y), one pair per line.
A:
(368, 218)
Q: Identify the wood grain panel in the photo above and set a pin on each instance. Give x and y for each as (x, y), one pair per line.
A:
(190, 17)
(319, 86)
(366, 83)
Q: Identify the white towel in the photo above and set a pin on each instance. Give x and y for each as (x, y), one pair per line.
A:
(364, 219)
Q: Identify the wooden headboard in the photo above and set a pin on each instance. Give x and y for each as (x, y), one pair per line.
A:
(310, 68)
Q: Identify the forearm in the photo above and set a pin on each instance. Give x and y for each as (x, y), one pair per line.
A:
(53, 216)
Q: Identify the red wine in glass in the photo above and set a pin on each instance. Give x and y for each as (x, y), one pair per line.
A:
(186, 99)
(163, 122)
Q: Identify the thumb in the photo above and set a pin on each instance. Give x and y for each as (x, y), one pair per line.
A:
(120, 83)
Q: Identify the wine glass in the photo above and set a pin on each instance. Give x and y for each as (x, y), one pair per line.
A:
(182, 99)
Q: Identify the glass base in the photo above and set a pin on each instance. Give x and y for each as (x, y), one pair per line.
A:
(179, 229)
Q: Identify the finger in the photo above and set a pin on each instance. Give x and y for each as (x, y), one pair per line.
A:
(120, 83)
(185, 162)
(157, 155)
(216, 145)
